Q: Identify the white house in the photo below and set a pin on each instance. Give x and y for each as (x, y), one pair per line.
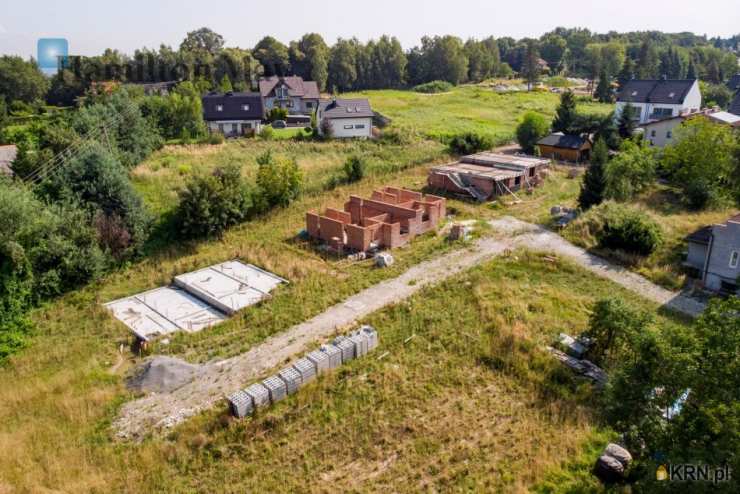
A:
(659, 99)
(292, 93)
(347, 117)
(233, 114)
(660, 133)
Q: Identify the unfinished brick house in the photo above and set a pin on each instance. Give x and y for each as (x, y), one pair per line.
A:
(485, 175)
(389, 219)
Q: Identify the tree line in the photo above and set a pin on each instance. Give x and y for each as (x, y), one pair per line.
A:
(350, 64)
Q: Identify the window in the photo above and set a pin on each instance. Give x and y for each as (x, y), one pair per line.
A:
(734, 258)
(245, 107)
(348, 127)
(248, 125)
(669, 134)
(219, 107)
(360, 126)
(309, 104)
(652, 133)
(221, 128)
(234, 128)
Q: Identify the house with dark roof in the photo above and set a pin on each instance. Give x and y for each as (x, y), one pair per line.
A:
(233, 114)
(714, 254)
(565, 147)
(735, 105)
(734, 83)
(659, 99)
(7, 156)
(292, 93)
(345, 118)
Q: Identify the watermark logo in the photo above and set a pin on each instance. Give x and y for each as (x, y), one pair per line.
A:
(686, 472)
(52, 53)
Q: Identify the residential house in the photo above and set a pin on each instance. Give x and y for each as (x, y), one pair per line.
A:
(233, 114)
(714, 252)
(659, 99)
(292, 93)
(735, 105)
(565, 147)
(346, 117)
(7, 156)
(660, 133)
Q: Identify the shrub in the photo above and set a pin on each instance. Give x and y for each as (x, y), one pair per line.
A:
(469, 142)
(277, 114)
(210, 204)
(16, 285)
(267, 133)
(532, 128)
(612, 322)
(278, 180)
(354, 168)
(617, 226)
(630, 172)
(216, 138)
(434, 87)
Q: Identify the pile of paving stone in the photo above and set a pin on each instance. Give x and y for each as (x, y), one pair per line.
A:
(289, 380)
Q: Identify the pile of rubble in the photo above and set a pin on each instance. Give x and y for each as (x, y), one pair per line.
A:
(289, 380)
(563, 215)
(571, 351)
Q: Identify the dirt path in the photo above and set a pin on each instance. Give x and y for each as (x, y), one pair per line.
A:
(158, 412)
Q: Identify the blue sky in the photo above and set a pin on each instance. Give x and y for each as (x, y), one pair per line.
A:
(92, 26)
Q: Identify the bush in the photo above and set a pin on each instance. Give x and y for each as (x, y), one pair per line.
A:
(16, 285)
(611, 324)
(210, 204)
(630, 172)
(215, 138)
(434, 87)
(278, 180)
(277, 114)
(617, 226)
(532, 128)
(267, 133)
(469, 143)
(354, 168)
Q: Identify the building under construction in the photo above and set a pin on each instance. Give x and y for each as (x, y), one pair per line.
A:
(486, 175)
(390, 218)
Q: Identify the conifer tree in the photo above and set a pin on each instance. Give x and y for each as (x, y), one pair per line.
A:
(594, 182)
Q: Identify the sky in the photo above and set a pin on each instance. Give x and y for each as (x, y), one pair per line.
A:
(92, 26)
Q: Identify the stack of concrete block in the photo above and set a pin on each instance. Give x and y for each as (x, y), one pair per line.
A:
(260, 395)
(372, 337)
(347, 348)
(306, 369)
(241, 404)
(277, 388)
(334, 354)
(292, 379)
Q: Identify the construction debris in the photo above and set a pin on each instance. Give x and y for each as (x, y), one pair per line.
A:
(197, 300)
(383, 260)
(563, 216)
(575, 347)
(583, 367)
(162, 375)
(289, 380)
(459, 232)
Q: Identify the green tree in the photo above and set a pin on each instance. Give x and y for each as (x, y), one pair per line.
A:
(604, 89)
(627, 72)
(566, 113)
(594, 181)
(16, 285)
(202, 40)
(531, 129)
(552, 49)
(531, 67)
(701, 161)
(627, 122)
(483, 58)
(225, 84)
(611, 325)
(278, 179)
(309, 58)
(354, 168)
(209, 204)
(343, 65)
(630, 172)
(273, 55)
(21, 80)
(648, 62)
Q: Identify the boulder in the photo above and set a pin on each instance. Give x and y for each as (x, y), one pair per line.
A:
(608, 469)
(619, 453)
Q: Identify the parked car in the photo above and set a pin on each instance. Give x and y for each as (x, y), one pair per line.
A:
(279, 124)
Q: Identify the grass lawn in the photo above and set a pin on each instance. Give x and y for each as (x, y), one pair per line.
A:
(473, 108)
